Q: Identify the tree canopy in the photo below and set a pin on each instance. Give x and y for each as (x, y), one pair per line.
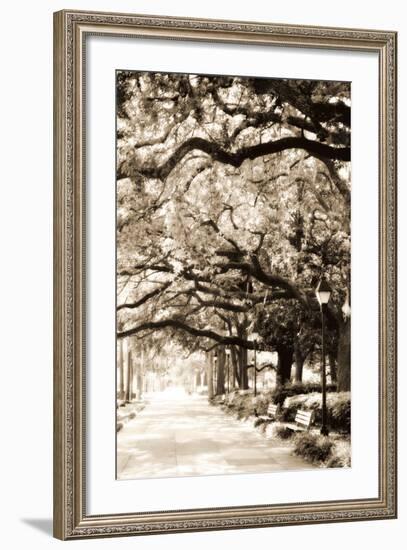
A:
(233, 198)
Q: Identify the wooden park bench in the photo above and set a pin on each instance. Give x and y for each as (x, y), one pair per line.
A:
(271, 414)
(302, 422)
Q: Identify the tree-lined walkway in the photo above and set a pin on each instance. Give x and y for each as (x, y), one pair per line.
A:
(181, 435)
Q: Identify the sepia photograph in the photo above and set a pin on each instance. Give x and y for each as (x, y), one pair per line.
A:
(233, 274)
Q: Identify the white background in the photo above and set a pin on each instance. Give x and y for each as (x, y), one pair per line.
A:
(104, 494)
(26, 288)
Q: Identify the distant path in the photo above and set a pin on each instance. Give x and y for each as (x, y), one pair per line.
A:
(181, 435)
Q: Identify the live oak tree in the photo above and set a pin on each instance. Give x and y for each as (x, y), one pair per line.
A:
(233, 198)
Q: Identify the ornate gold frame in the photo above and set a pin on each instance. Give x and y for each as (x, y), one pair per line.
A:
(70, 518)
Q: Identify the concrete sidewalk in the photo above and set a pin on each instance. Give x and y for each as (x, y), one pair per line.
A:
(180, 435)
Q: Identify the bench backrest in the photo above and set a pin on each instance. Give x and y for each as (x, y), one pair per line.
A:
(304, 418)
(272, 409)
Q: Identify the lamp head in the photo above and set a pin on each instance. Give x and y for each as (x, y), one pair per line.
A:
(323, 292)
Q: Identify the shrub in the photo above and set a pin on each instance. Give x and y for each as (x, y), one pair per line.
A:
(281, 431)
(338, 405)
(312, 447)
(340, 412)
(340, 456)
(335, 462)
(262, 422)
(280, 393)
(311, 401)
(244, 404)
(260, 403)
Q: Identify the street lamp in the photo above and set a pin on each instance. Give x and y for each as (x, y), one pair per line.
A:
(323, 293)
(254, 337)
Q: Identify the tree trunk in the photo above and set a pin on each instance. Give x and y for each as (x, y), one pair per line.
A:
(197, 379)
(220, 381)
(121, 370)
(232, 375)
(139, 378)
(135, 366)
(129, 391)
(299, 364)
(242, 358)
(209, 373)
(332, 368)
(139, 381)
(285, 361)
(244, 380)
(235, 365)
(343, 369)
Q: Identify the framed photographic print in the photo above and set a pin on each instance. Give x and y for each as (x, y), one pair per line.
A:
(225, 274)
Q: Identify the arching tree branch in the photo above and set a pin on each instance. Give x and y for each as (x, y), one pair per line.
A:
(236, 158)
(180, 325)
(145, 298)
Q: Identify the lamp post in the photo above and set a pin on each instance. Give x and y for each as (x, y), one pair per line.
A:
(254, 337)
(323, 293)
